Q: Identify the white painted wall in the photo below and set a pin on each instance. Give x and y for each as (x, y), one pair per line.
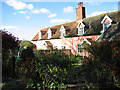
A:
(40, 44)
(55, 42)
(58, 43)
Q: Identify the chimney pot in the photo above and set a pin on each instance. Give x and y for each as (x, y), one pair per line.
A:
(80, 4)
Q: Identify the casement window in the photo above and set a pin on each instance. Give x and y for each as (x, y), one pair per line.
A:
(80, 49)
(106, 23)
(80, 27)
(105, 26)
(81, 31)
(62, 30)
(63, 47)
(63, 34)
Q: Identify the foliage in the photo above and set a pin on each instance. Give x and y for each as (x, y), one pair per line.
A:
(26, 44)
(9, 45)
(9, 51)
(44, 70)
(53, 68)
(25, 67)
(102, 67)
(27, 54)
(9, 41)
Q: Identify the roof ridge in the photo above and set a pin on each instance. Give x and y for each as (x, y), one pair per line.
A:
(102, 14)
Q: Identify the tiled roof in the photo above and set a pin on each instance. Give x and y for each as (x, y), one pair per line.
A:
(112, 32)
(93, 26)
(36, 37)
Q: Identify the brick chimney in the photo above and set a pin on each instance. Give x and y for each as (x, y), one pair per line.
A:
(80, 11)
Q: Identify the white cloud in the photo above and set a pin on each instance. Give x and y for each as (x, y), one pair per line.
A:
(59, 20)
(36, 11)
(16, 4)
(96, 13)
(52, 15)
(19, 5)
(44, 10)
(8, 27)
(23, 12)
(27, 17)
(69, 9)
(30, 6)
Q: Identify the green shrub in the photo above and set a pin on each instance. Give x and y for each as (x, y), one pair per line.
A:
(27, 43)
(44, 70)
(53, 68)
(102, 68)
(25, 68)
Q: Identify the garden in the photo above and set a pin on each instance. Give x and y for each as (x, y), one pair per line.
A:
(23, 67)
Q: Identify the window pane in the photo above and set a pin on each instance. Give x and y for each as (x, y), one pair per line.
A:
(80, 49)
(62, 34)
(80, 31)
(106, 25)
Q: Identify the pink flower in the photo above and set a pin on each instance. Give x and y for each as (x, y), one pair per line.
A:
(113, 72)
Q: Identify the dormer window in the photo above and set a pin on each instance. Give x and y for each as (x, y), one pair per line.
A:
(80, 27)
(80, 31)
(49, 33)
(105, 26)
(106, 23)
(62, 30)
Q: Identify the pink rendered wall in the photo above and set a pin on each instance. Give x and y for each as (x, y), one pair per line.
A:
(72, 42)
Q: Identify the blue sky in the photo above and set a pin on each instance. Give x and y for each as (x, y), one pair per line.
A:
(25, 19)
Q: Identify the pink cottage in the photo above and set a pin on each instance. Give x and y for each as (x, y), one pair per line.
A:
(70, 36)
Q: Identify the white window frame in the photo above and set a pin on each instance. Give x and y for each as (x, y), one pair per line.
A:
(79, 28)
(105, 27)
(49, 33)
(78, 49)
(63, 47)
(102, 22)
(62, 30)
(80, 46)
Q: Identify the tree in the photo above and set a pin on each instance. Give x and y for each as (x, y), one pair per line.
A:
(26, 44)
(10, 45)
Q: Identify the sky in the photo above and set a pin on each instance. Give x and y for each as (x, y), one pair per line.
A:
(25, 19)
